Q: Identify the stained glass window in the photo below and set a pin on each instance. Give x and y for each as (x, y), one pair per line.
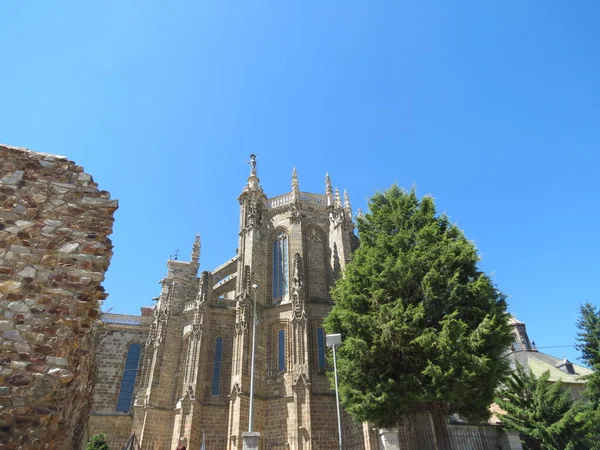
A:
(281, 350)
(280, 268)
(129, 376)
(217, 366)
(321, 348)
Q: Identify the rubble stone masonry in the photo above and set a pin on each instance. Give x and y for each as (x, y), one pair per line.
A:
(54, 251)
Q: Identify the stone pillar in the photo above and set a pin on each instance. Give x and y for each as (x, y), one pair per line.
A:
(251, 439)
(389, 438)
(54, 251)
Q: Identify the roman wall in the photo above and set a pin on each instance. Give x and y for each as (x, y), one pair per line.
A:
(54, 252)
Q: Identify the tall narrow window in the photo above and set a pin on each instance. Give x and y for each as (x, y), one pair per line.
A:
(321, 349)
(217, 366)
(281, 350)
(129, 376)
(280, 268)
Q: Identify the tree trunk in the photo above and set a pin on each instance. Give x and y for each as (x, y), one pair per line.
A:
(440, 427)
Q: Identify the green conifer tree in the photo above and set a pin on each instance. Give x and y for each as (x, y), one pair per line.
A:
(589, 334)
(423, 327)
(543, 413)
(589, 345)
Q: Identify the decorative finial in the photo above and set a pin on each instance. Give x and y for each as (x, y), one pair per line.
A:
(295, 187)
(338, 200)
(347, 207)
(176, 255)
(328, 190)
(359, 214)
(196, 249)
(253, 181)
(252, 162)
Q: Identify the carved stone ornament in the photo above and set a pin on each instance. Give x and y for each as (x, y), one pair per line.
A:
(295, 216)
(163, 308)
(301, 375)
(242, 314)
(190, 392)
(298, 308)
(235, 390)
(161, 331)
(198, 323)
(252, 214)
(336, 217)
(151, 335)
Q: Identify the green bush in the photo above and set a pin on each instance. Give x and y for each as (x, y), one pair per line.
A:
(97, 442)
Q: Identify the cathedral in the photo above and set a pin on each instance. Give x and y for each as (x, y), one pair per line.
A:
(180, 372)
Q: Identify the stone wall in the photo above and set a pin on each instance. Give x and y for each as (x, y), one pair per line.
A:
(54, 251)
(113, 339)
(117, 428)
(113, 335)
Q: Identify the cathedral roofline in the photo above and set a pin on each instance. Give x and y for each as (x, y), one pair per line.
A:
(306, 198)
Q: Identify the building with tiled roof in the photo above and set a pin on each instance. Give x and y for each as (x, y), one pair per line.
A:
(525, 353)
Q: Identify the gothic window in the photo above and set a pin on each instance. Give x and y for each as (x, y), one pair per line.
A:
(281, 350)
(214, 390)
(129, 376)
(280, 268)
(321, 349)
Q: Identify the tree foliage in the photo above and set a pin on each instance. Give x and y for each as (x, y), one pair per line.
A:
(588, 337)
(544, 413)
(423, 327)
(97, 442)
(588, 344)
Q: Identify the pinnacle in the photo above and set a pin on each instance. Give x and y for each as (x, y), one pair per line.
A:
(338, 200)
(295, 187)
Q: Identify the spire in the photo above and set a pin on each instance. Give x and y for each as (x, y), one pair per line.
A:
(196, 249)
(295, 187)
(338, 200)
(347, 207)
(359, 214)
(328, 190)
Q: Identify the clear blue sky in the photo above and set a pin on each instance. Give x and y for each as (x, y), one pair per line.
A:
(491, 107)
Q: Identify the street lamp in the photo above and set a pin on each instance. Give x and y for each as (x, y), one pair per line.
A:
(254, 289)
(251, 438)
(333, 340)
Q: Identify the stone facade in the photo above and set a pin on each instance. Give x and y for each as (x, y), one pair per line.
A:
(54, 251)
(194, 375)
(192, 383)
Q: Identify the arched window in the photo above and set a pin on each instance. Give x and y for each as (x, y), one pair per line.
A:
(217, 366)
(321, 349)
(281, 350)
(129, 376)
(280, 268)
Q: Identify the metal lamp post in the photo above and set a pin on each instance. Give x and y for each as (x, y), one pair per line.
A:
(251, 437)
(254, 288)
(333, 340)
